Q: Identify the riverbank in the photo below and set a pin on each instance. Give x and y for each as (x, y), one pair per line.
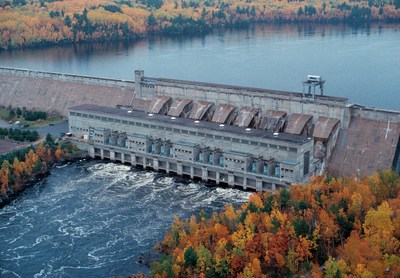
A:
(27, 166)
(43, 23)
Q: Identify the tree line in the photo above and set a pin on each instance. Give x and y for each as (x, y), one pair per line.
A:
(31, 23)
(21, 167)
(328, 228)
(19, 135)
(26, 114)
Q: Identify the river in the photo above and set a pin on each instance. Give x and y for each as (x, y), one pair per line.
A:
(94, 219)
(360, 63)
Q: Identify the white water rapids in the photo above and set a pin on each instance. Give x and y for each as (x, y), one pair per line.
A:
(95, 219)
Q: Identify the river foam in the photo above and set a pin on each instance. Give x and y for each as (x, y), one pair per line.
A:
(96, 219)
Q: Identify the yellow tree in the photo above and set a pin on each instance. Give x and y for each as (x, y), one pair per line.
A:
(379, 229)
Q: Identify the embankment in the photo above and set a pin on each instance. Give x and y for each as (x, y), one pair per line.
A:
(55, 91)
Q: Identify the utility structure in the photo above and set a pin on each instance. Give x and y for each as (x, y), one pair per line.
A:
(313, 81)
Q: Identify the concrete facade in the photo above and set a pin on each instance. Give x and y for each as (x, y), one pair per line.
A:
(255, 159)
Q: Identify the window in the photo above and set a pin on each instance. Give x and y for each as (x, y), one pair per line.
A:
(306, 163)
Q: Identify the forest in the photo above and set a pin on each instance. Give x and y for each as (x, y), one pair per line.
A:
(20, 168)
(345, 227)
(28, 23)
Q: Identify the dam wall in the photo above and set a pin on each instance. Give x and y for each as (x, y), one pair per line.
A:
(375, 114)
(366, 139)
(48, 91)
(68, 77)
(263, 99)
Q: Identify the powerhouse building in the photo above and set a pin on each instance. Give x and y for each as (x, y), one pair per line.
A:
(250, 158)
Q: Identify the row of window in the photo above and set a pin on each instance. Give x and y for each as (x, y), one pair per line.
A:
(136, 142)
(183, 151)
(235, 160)
(147, 86)
(79, 128)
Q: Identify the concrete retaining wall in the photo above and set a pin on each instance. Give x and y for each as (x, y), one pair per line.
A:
(68, 77)
(53, 91)
(375, 114)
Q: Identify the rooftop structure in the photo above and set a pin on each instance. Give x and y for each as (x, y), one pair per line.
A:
(249, 158)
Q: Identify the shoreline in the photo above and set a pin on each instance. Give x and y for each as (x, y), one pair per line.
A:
(195, 33)
(6, 199)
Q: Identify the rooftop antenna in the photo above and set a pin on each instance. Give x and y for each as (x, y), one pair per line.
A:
(313, 81)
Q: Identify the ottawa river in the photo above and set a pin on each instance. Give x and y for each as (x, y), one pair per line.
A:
(94, 219)
(360, 63)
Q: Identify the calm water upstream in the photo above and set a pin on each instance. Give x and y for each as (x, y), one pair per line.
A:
(94, 219)
(359, 63)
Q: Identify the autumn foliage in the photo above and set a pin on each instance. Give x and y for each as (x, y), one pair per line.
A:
(22, 166)
(327, 228)
(30, 23)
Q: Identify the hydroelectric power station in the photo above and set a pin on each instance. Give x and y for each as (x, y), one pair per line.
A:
(240, 136)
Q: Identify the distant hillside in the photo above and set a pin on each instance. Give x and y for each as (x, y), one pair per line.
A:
(26, 23)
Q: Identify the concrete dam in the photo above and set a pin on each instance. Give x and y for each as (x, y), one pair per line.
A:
(213, 131)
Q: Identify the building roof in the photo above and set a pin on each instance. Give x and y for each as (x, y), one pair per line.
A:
(324, 127)
(178, 105)
(245, 116)
(271, 118)
(157, 103)
(222, 112)
(297, 122)
(199, 109)
(140, 104)
(200, 126)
